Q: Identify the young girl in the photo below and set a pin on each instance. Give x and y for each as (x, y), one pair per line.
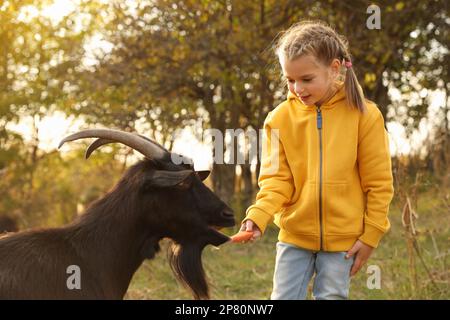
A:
(331, 193)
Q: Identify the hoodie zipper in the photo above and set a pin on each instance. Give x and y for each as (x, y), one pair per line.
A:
(319, 127)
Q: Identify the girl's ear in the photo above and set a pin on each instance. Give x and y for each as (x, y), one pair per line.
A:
(337, 71)
(336, 67)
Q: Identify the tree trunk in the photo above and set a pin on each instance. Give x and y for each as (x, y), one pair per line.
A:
(247, 190)
(380, 96)
(223, 178)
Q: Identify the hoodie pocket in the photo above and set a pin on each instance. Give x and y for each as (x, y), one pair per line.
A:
(343, 214)
(302, 216)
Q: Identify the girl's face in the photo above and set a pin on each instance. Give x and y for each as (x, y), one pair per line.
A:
(309, 79)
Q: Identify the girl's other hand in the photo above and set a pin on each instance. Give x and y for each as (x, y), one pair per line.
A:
(362, 252)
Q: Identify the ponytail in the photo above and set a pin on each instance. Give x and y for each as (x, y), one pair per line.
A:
(353, 91)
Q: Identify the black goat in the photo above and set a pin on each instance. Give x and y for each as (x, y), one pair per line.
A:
(7, 224)
(156, 198)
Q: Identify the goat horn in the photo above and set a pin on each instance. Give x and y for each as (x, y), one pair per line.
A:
(101, 142)
(147, 147)
(95, 145)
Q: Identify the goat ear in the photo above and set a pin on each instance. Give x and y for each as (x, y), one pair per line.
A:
(203, 174)
(167, 179)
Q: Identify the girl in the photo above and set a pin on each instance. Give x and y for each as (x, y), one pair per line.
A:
(331, 193)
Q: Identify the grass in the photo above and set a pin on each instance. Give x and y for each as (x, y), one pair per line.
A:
(241, 272)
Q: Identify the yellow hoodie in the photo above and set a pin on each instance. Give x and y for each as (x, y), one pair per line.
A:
(334, 180)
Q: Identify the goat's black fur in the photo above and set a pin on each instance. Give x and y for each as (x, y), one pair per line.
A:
(115, 234)
(7, 224)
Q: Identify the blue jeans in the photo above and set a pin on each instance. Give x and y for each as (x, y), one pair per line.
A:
(294, 268)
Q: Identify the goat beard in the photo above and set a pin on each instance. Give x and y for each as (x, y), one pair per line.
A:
(186, 263)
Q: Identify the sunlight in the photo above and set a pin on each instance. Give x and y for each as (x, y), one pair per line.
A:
(58, 10)
(96, 48)
(51, 129)
(188, 145)
(55, 12)
(28, 13)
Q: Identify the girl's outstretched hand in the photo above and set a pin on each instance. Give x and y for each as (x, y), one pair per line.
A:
(250, 226)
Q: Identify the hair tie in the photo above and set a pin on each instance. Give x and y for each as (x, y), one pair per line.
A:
(348, 64)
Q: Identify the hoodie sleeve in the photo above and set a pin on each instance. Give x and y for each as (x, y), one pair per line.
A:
(374, 163)
(275, 178)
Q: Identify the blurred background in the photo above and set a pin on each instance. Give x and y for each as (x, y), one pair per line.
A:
(160, 67)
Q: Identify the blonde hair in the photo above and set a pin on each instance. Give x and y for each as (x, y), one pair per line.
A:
(322, 42)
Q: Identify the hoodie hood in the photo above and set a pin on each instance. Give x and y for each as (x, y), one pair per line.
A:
(338, 96)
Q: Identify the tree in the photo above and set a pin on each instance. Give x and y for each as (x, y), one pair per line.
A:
(172, 58)
(36, 52)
